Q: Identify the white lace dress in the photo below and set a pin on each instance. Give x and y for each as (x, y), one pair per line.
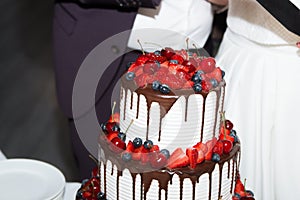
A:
(262, 65)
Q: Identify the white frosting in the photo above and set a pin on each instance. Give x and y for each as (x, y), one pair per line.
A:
(126, 186)
(175, 131)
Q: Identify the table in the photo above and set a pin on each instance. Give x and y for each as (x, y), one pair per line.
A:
(70, 189)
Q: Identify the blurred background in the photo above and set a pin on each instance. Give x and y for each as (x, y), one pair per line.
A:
(31, 123)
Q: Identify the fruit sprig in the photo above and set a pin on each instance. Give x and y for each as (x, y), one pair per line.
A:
(90, 188)
(240, 192)
(168, 69)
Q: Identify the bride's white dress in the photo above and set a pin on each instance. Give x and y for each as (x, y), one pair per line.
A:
(262, 65)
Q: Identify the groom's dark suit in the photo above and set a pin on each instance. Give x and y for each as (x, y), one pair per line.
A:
(78, 27)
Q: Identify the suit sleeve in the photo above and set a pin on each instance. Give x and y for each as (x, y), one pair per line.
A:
(285, 12)
(127, 4)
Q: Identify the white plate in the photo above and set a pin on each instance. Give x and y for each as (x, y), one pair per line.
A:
(30, 180)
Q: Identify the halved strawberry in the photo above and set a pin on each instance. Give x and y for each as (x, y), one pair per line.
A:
(112, 135)
(141, 80)
(227, 137)
(130, 146)
(137, 153)
(192, 153)
(158, 160)
(239, 188)
(155, 148)
(201, 156)
(210, 144)
(218, 148)
(132, 67)
(177, 57)
(201, 146)
(141, 59)
(178, 159)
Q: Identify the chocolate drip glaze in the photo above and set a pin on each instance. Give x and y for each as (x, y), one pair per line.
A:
(166, 101)
(164, 176)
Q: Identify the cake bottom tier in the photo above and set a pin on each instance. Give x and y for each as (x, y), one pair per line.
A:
(208, 181)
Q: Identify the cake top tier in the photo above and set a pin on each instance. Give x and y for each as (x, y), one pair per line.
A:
(168, 71)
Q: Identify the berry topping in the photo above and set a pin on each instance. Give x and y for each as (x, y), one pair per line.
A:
(167, 52)
(122, 136)
(158, 160)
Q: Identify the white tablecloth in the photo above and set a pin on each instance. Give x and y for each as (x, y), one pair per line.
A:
(70, 189)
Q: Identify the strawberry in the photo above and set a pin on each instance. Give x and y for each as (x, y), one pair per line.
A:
(227, 137)
(183, 53)
(201, 147)
(155, 148)
(202, 150)
(141, 59)
(201, 156)
(192, 153)
(239, 188)
(141, 80)
(224, 131)
(218, 148)
(137, 153)
(207, 65)
(210, 144)
(115, 118)
(178, 159)
(158, 160)
(112, 135)
(216, 74)
(206, 86)
(132, 67)
(177, 57)
(167, 52)
(129, 147)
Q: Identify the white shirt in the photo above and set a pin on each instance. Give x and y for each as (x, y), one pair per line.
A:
(171, 24)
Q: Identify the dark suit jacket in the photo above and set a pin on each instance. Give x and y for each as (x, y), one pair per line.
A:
(77, 28)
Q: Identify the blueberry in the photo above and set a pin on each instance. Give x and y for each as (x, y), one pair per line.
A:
(237, 195)
(215, 157)
(79, 194)
(137, 142)
(223, 73)
(116, 128)
(164, 89)
(148, 144)
(214, 82)
(84, 181)
(165, 152)
(103, 127)
(234, 135)
(156, 85)
(126, 156)
(101, 196)
(250, 192)
(174, 61)
(199, 72)
(122, 136)
(157, 52)
(130, 76)
(196, 78)
(197, 87)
